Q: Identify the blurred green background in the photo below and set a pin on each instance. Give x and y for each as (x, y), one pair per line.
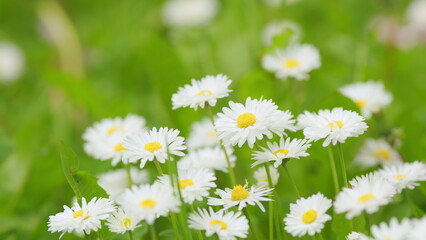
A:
(110, 58)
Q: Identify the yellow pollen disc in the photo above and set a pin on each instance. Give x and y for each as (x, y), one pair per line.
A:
(114, 129)
(127, 222)
(291, 63)
(309, 216)
(265, 180)
(152, 146)
(388, 238)
(365, 198)
(360, 103)
(212, 133)
(246, 120)
(222, 225)
(384, 154)
(148, 203)
(400, 176)
(339, 124)
(204, 93)
(77, 214)
(331, 125)
(185, 183)
(119, 147)
(239, 193)
(282, 151)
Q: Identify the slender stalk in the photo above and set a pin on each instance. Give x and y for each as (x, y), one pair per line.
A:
(199, 234)
(342, 162)
(183, 215)
(320, 237)
(252, 227)
(129, 175)
(174, 224)
(152, 232)
(158, 166)
(86, 235)
(228, 162)
(291, 179)
(333, 169)
(412, 205)
(130, 235)
(271, 204)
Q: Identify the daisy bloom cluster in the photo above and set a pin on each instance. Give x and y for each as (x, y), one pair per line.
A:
(226, 225)
(284, 149)
(155, 144)
(241, 196)
(11, 62)
(200, 93)
(104, 140)
(377, 152)
(81, 219)
(294, 61)
(189, 13)
(367, 193)
(371, 97)
(241, 123)
(333, 126)
(308, 215)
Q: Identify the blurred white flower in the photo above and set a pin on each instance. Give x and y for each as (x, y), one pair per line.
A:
(377, 152)
(393, 231)
(210, 158)
(202, 134)
(275, 28)
(11, 62)
(405, 175)
(189, 13)
(121, 222)
(357, 236)
(262, 177)
(116, 181)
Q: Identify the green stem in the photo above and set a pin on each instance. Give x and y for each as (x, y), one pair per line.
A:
(183, 216)
(130, 235)
(158, 166)
(412, 205)
(252, 228)
(174, 224)
(228, 162)
(333, 169)
(343, 165)
(152, 232)
(271, 204)
(199, 234)
(320, 236)
(291, 179)
(129, 175)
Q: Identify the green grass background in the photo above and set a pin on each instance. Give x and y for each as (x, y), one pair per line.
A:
(133, 64)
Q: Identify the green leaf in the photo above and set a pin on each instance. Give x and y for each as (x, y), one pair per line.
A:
(88, 185)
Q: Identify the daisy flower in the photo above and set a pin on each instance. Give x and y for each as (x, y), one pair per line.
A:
(210, 158)
(189, 13)
(226, 225)
(149, 201)
(393, 231)
(202, 134)
(416, 17)
(104, 140)
(375, 152)
(294, 61)
(262, 178)
(116, 181)
(121, 222)
(357, 236)
(307, 215)
(194, 184)
(207, 90)
(11, 62)
(155, 144)
(241, 196)
(404, 175)
(334, 126)
(250, 122)
(369, 96)
(418, 230)
(81, 219)
(285, 149)
(368, 193)
(272, 29)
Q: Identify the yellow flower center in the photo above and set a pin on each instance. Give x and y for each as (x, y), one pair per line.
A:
(152, 146)
(309, 216)
(282, 151)
(366, 197)
(79, 213)
(382, 153)
(185, 183)
(114, 129)
(360, 103)
(239, 193)
(222, 225)
(388, 238)
(119, 147)
(246, 120)
(400, 176)
(291, 63)
(204, 93)
(148, 203)
(127, 222)
(212, 133)
(338, 123)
